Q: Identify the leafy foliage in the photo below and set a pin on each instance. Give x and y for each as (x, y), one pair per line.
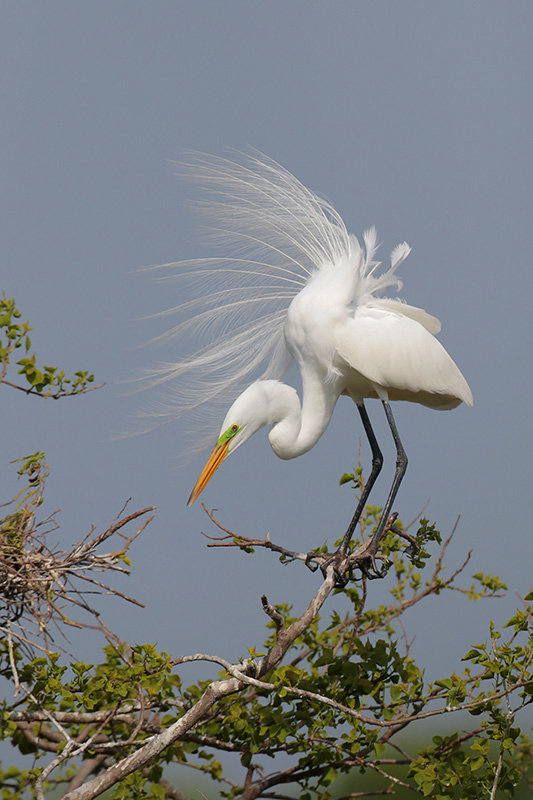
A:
(338, 705)
(325, 701)
(43, 381)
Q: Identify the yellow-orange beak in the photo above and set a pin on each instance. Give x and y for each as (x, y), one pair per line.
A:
(220, 451)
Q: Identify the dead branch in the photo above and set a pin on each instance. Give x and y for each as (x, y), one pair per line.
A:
(41, 586)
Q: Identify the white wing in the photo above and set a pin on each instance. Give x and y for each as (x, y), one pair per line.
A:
(400, 358)
(430, 323)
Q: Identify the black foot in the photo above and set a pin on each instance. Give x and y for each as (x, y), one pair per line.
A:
(324, 560)
(346, 566)
(370, 569)
(314, 560)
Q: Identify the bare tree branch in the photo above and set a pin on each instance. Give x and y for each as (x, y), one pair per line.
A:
(215, 691)
(40, 586)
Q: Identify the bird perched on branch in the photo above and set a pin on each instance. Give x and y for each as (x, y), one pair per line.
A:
(294, 285)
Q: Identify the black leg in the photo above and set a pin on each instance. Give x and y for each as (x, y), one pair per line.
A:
(377, 463)
(401, 466)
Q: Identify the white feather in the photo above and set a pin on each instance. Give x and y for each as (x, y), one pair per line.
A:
(278, 237)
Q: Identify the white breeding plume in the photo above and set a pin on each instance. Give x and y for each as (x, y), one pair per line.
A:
(293, 284)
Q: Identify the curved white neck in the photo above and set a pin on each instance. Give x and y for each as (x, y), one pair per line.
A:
(295, 428)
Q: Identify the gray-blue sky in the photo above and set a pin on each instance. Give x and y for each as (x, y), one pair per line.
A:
(413, 116)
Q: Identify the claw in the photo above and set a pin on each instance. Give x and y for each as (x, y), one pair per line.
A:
(310, 563)
(341, 580)
(375, 572)
(344, 565)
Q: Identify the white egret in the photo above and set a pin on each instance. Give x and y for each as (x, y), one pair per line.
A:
(297, 286)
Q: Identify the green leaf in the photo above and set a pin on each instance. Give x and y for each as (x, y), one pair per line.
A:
(346, 478)
(379, 748)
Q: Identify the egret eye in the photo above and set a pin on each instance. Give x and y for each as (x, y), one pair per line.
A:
(232, 431)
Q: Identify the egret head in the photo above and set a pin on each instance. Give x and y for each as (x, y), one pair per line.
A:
(248, 413)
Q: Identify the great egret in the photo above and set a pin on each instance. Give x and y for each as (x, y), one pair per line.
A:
(298, 286)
